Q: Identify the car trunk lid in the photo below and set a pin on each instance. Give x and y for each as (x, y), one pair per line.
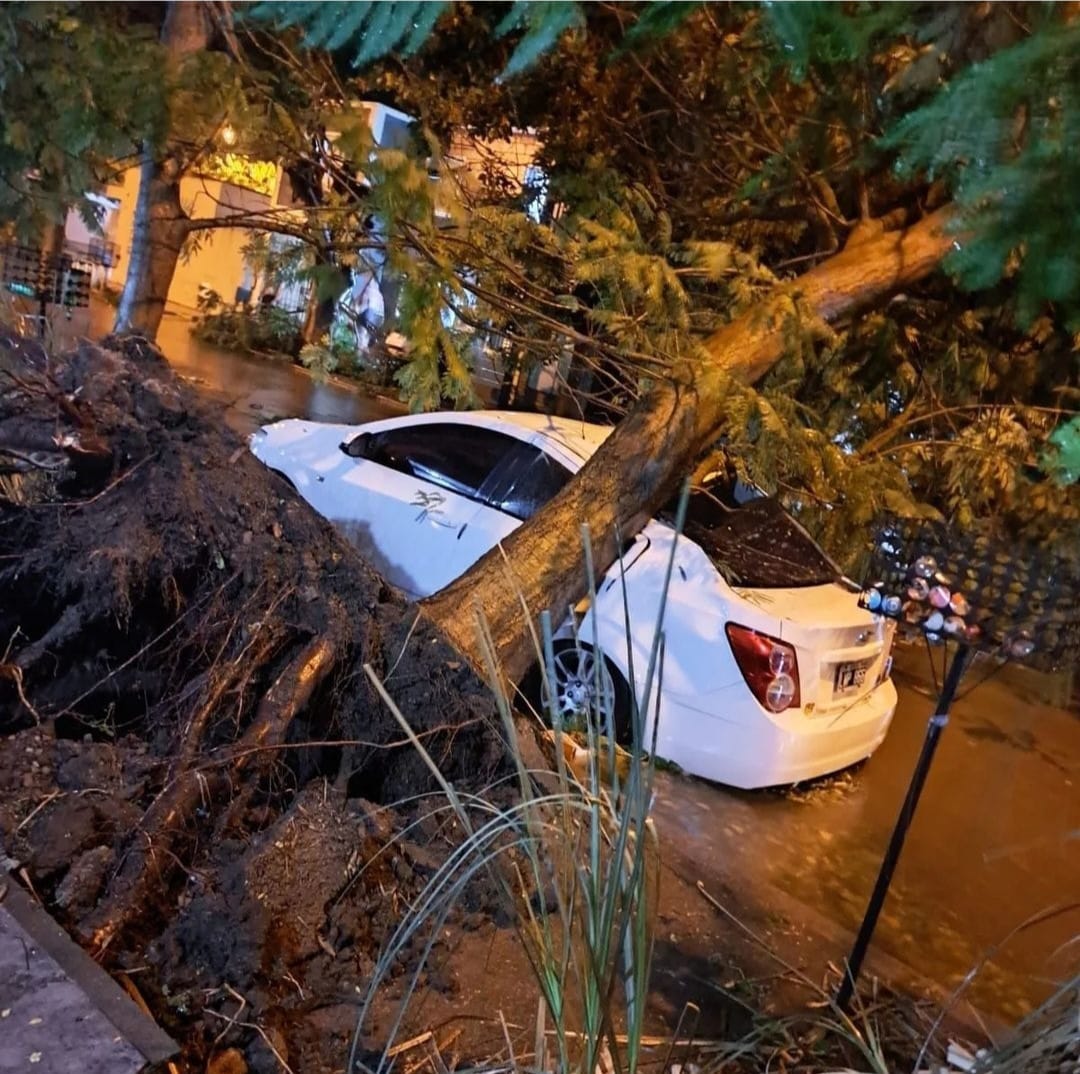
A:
(842, 650)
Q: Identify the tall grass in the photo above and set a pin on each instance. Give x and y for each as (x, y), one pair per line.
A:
(579, 830)
(1047, 1041)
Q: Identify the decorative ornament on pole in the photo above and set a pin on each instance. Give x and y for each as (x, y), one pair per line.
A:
(986, 593)
(995, 594)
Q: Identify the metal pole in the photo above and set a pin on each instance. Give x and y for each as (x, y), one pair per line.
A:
(903, 822)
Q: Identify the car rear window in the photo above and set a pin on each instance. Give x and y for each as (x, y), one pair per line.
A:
(754, 542)
(524, 481)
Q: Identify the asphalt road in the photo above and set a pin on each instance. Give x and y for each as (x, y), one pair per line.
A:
(253, 390)
(996, 841)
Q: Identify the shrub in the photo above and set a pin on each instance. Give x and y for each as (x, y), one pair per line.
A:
(253, 330)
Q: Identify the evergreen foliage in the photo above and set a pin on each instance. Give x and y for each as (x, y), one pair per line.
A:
(816, 36)
(543, 25)
(372, 28)
(1005, 136)
(375, 29)
(938, 403)
(76, 97)
(742, 146)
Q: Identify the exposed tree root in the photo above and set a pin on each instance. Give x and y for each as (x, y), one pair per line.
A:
(63, 630)
(154, 854)
(285, 700)
(169, 607)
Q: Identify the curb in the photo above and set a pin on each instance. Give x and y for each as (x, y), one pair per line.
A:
(1058, 689)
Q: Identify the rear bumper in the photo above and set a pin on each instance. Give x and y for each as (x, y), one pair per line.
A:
(766, 751)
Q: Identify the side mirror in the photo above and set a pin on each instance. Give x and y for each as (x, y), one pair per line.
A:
(356, 448)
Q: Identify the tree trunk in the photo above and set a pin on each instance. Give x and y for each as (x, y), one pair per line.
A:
(641, 464)
(52, 243)
(160, 229)
(160, 226)
(319, 319)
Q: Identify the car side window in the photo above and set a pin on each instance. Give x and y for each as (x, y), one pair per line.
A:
(454, 456)
(524, 481)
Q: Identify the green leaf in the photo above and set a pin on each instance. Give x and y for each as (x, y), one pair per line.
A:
(1061, 459)
(544, 24)
(329, 280)
(373, 29)
(658, 19)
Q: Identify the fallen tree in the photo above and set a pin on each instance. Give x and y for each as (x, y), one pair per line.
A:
(641, 464)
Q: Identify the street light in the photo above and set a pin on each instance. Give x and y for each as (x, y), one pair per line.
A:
(228, 134)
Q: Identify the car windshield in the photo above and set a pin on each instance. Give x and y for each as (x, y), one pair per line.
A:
(753, 541)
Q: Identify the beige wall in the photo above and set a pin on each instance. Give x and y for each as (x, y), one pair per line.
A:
(470, 156)
(214, 259)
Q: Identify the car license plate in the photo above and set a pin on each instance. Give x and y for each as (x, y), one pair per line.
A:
(849, 678)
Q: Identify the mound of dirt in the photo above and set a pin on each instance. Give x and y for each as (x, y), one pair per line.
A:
(192, 759)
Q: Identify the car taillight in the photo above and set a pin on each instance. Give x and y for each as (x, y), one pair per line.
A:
(768, 665)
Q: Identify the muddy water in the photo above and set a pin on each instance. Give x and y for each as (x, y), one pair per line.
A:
(996, 842)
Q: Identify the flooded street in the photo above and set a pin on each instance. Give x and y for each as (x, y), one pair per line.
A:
(994, 844)
(258, 390)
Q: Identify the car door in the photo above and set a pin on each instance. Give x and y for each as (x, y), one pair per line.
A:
(424, 521)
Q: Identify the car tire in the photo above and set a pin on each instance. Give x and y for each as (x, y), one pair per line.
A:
(575, 672)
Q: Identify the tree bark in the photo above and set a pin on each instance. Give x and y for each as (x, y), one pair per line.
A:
(319, 319)
(160, 226)
(641, 464)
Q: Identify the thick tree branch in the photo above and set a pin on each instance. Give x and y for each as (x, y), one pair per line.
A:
(751, 345)
(616, 492)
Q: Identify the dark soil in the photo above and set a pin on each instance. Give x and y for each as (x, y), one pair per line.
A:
(193, 763)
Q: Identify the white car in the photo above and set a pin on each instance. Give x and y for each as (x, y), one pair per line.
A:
(772, 673)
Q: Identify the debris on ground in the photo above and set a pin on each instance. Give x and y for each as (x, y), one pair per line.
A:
(197, 778)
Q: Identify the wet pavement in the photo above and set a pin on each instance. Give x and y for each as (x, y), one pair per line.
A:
(258, 390)
(995, 844)
(61, 1013)
(254, 390)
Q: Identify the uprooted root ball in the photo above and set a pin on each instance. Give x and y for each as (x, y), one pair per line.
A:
(181, 652)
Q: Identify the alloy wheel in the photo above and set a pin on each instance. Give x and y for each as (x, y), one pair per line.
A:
(577, 699)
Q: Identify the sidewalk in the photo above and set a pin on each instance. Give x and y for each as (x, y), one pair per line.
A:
(60, 1013)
